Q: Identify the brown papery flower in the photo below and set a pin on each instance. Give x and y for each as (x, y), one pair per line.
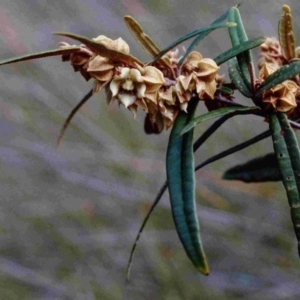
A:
(136, 87)
(281, 97)
(197, 77)
(271, 52)
(101, 70)
(78, 60)
(118, 44)
(163, 113)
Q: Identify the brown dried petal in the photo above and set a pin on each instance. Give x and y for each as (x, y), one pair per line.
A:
(168, 95)
(103, 76)
(207, 69)
(266, 70)
(206, 90)
(291, 86)
(120, 45)
(152, 96)
(286, 103)
(192, 60)
(186, 82)
(153, 76)
(98, 85)
(281, 97)
(104, 40)
(99, 64)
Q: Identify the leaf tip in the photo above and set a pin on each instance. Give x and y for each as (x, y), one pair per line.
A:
(240, 3)
(204, 269)
(128, 274)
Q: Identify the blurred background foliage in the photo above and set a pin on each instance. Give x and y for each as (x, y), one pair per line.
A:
(68, 217)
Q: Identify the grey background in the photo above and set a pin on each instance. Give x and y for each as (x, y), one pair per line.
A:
(68, 217)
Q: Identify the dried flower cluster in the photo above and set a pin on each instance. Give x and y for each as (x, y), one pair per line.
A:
(274, 54)
(155, 88)
(270, 52)
(282, 97)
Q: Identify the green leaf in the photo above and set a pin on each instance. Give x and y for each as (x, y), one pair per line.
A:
(200, 141)
(153, 205)
(234, 149)
(104, 51)
(280, 75)
(39, 55)
(236, 77)
(236, 50)
(204, 30)
(233, 110)
(72, 114)
(224, 90)
(238, 36)
(260, 169)
(201, 36)
(181, 182)
(288, 156)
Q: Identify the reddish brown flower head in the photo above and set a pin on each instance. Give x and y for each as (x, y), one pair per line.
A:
(136, 87)
(198, 76)
(101, 70)
(271, 53)
(118, 44)
(78, 60)
(281, 97)
(163, 113)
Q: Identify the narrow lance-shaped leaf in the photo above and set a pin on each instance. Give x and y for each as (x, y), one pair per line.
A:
(190, 35)
(153, 205)
(200, 141)
(234, 110)
(288, 157)
(71, 49)
(181, 183)
(144, 40)
(286, 34)
(139, 34)
(236, 50)
(72, 114)
(238, 36)
(237, 78)
(102, 50)
(201, 36)
(234, 149)
(279, 76)
(260, 169)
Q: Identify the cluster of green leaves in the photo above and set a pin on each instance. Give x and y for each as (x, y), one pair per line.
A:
(283, 164)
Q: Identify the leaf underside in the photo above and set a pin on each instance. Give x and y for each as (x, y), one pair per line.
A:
(288, 157)
(43, 54)
(102, 50)
(260, 169)
(181, 183)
